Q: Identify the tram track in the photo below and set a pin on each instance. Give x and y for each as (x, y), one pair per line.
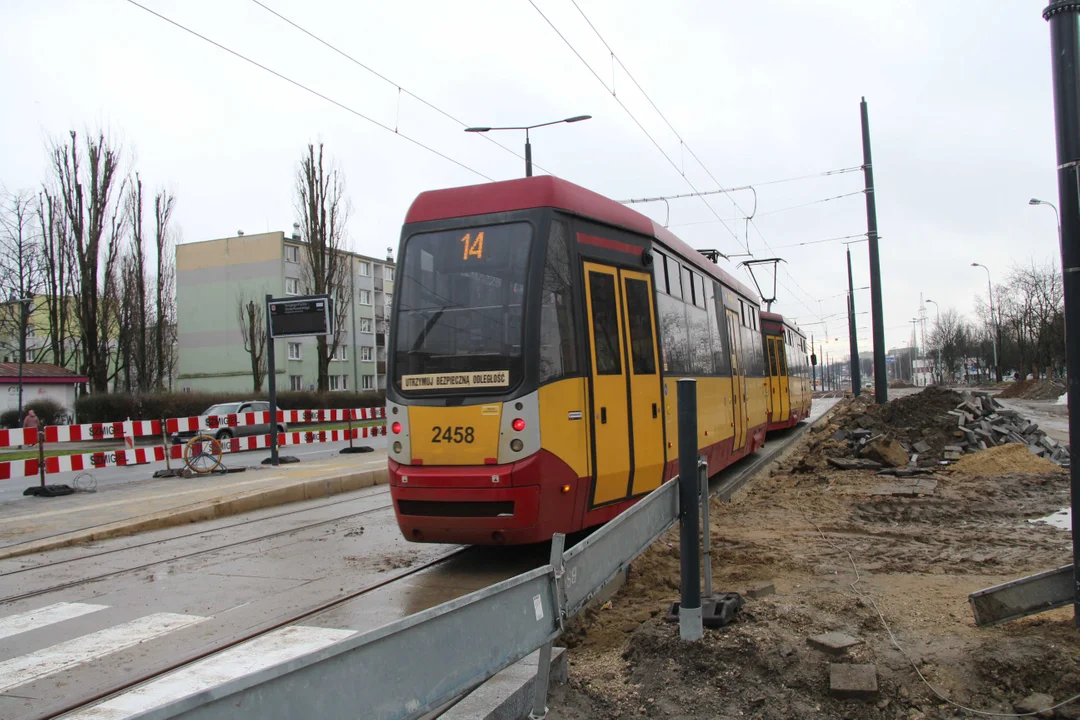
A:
(184, 556)
(200, 654)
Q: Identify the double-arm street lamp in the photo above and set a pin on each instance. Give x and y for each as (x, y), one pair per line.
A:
(993, 323)
(527, 128)
(938, 308)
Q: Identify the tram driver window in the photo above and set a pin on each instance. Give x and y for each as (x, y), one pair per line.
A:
(558, 351)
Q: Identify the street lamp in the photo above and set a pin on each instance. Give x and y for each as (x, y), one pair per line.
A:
(1057, 215)
(938, 308)
(23, 302)
(993, 322)
(527, 128)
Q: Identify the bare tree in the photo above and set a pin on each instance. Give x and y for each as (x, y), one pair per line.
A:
(21, 272)
(164, 290)
(88, 198)
(952, 335)
(324, 211)
(60, 279)
(134, 293)
(251, 320)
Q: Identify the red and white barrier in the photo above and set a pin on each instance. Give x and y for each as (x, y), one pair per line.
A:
(102, 431)
(217, 422)
(18, 469)
(108, 458)
(19, 436)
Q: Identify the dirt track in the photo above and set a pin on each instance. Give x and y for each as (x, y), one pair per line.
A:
(918, 558)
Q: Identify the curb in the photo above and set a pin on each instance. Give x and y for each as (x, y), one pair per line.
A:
(508, 695)
(207, 510)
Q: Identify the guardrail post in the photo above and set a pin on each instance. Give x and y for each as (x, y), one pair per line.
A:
(41, 455)
(165, 444)
(689, 488)
(706, 551)
(543, 667)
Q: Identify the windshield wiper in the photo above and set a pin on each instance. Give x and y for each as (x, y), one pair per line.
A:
(427, 328)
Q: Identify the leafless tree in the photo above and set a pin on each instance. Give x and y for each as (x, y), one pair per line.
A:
(21, 273)
(324, 211)
(251, 321)
(952, 336)
(1031, 310)
(164, 290)
(60, 276)
(90, 201)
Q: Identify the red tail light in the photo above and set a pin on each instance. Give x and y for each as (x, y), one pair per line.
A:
(518, 424)
(396, 428)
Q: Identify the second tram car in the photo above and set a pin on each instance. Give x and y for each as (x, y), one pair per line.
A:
(538, 329)
(788, 368)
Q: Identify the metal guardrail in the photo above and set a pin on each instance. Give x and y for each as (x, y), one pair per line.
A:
(414, 665)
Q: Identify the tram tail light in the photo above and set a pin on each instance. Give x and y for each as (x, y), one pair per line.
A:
(565, 488)
(518, 424)
(396, 428)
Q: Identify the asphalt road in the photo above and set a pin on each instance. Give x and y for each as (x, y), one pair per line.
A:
(12, 490)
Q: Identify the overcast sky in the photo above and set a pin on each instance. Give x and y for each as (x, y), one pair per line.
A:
(960, 104)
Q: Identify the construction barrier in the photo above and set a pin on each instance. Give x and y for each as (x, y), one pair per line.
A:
(127, 430)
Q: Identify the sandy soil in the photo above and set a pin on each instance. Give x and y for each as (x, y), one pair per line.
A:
(918, 558)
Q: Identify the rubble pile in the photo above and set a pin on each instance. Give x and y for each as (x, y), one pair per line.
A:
(1034, 390)
(924, 430)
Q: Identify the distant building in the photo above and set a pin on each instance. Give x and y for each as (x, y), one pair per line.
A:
(212, 276)
(39, 381)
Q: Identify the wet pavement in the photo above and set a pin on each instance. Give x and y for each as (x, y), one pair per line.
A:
(82, 622)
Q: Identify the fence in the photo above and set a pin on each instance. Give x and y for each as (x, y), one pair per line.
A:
(128, 430)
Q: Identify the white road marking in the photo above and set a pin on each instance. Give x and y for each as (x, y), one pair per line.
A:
(25, 668)
(27, 621)
(250, 657)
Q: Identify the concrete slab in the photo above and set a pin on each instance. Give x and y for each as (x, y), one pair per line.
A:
(853, 681)
(834, 643)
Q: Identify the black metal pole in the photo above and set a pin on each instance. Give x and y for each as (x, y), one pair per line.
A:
(528, 155)
(856, 381)
(689, 545)
(271, 371)
(22, 353)
(881, 383)
(1064, 56)
(813, 364)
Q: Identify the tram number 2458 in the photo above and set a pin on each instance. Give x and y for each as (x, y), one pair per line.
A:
(456, 434)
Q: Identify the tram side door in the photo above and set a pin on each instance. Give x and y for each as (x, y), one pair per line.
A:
(738, 381)
(784, 380)
(775, 392)
(610, 406)
(646, 401)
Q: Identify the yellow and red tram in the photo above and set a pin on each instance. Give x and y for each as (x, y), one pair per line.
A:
(538, 331)
(788, 368)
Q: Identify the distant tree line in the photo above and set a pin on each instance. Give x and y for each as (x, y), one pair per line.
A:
(95, 259)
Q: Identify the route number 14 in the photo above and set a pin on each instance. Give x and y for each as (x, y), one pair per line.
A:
(473, 248)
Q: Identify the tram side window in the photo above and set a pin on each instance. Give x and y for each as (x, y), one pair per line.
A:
(697, 321)
(673, 277)
(642, 344)
(687, 286)
(558, 346)
(659, 268)
(675, 343)
(718, 328)
(605, 324)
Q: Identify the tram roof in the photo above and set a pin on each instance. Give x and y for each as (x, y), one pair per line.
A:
(779, 319)
(549, 191)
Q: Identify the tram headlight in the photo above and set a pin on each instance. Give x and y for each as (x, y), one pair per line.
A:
(396, 428)
(516, 445)
(397, 446)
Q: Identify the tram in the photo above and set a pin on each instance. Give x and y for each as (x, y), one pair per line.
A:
(788, 368)
(537, 332)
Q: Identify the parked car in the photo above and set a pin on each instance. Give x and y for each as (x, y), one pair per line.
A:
(233, 408)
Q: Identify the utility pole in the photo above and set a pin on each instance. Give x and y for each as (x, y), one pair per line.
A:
(914, 348)
(1064, 19)
(881, 382)
(813, 363)
(856, 383)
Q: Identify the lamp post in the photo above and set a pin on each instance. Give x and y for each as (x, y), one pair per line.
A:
(527, 128)
(23, 302)
(1057, 215)
(938, 324)
(993, 322)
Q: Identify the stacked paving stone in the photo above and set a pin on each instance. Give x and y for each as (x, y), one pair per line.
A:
(983, 422)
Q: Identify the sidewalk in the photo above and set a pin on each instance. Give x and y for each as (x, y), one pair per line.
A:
(36, 524)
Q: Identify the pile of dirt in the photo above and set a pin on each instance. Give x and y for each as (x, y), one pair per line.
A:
(918, 558)
(898, 384)
(1034, 390)
(1004, 459)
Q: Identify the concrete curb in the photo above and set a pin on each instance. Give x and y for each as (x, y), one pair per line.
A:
(509, 694)
(208, 510)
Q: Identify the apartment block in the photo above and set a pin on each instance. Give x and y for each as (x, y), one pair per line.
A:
(214, 276)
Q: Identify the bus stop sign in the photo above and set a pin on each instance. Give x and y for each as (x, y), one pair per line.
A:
(308, 315)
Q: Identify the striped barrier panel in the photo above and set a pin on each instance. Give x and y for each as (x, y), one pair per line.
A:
(216, 422)
(307, 416)
(260, 442)
(18, 436)
(97, 460)
(102, 431)
(18, 469)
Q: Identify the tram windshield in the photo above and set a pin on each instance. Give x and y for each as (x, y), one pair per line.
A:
(459, 322)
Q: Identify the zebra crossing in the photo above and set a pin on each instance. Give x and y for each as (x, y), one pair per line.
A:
(85, 650)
